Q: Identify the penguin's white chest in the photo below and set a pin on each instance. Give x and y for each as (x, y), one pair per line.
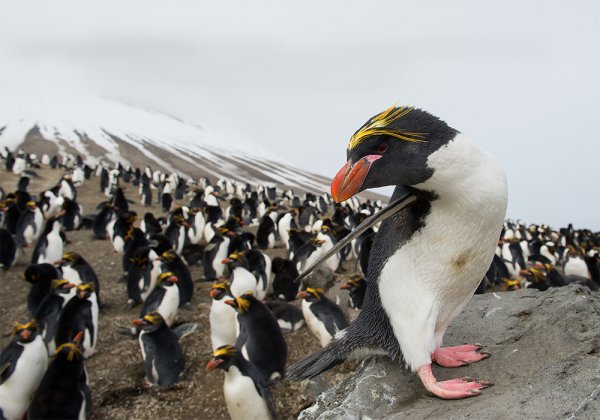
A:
(243, 401)
(169, 304)
(17, 391)
(243, 281)
(54, 250)
(429, 279)
(223, 324)
(314, 324)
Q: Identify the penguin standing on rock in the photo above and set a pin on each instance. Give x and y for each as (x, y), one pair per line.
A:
(323, 317)
(22, 365)
(446, 188)
(64, 392)
(260, 339)
(246, 391)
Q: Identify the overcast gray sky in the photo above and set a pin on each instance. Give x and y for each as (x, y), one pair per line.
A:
(298, 77)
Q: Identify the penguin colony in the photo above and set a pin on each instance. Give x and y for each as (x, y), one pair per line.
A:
(252, 243)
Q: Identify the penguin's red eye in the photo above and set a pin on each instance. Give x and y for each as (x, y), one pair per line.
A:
(382, 148)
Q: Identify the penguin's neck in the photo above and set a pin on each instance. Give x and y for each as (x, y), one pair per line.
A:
(465, 176)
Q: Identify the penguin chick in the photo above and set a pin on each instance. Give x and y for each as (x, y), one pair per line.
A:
(64, 392)
(246, 391)
(285, 285)
(163, 360)
(22, 365)
(323, 317)
(260, 339)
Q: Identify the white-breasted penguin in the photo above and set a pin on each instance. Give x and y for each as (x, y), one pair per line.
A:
(222, 317)
(323, 317)
(164, 299)
(246, 391)
(259, 339)
(460, 198)
(48, 312)
(22, 365)
(64, 392)
(49, 247)
(80, 314)
(163, 360)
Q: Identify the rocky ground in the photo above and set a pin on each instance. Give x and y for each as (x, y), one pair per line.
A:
(545, 364)
(545, 349)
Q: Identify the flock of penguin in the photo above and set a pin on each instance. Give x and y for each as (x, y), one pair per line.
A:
(227, 228)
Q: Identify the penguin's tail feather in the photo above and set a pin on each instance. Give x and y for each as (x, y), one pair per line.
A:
(334, 353)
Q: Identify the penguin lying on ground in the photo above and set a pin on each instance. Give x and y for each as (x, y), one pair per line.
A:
(457, 196)
(64, 392)
(323, 317)
(22, 365)
(246, 391)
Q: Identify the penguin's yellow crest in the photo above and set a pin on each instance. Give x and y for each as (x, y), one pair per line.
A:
(20, 327)
(225, 350)
(315, 291)
(378, 126)
(73, 350)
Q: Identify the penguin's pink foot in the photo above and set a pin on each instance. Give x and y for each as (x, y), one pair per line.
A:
(458, 356)
(452, 389)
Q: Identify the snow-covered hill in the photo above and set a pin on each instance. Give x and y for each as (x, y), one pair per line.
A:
(114, 132)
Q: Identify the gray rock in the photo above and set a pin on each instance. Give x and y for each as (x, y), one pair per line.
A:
(545, 364)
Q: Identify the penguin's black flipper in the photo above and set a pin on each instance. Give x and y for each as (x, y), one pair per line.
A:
(334, 353)
(185, 329)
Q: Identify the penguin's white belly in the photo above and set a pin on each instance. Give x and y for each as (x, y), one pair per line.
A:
(428, 281)
(169, 305)
(89, 340)
(315, 325)
(71, 275)
(217, 264)
(243, 401)
(576, 267)
(54, 250)
(16, 392)
(222, 324)
(243, 281)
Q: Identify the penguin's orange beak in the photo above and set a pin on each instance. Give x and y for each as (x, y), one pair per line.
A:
(25, 334)
(138, 322)
(345, 286)
(214, 293)
(302, 295)
(213, 364)
(351, 177)
(226, 260)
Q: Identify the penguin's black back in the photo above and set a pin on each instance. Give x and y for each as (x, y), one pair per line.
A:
(163, 354)
(262, 337)
(59, 395)
(8, 249)
(76, 316)
(329, 314)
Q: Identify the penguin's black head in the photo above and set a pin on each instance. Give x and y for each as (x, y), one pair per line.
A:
(235, 259)
(69, 257)
(85, 290)
(391, 148)
(25, 333)
(168, 255)
(150, 322)
(167, 279)
(311, 294)
(223, 358)
(71, 351)
(354, 283)
(220, 289)
(242, 303)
